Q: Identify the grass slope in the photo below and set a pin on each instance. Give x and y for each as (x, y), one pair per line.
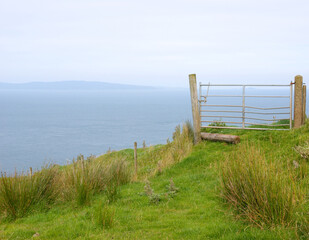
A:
(196, 212)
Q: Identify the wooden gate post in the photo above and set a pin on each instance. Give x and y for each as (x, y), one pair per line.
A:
(195, 109)
(304, 103)
(298, 103)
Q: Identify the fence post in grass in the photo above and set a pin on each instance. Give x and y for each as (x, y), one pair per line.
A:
(195, 109)
(135, 157)
(298, 101)
(304, 103)
(144, 144)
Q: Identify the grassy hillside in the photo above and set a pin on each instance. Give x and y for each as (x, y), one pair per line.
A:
(182, 198)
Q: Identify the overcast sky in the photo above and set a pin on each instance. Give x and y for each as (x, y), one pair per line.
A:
(154, 42)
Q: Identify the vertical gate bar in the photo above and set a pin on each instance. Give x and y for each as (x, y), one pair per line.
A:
(243, 106)
(291, 97)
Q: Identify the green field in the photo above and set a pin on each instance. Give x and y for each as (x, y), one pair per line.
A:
(196, 211)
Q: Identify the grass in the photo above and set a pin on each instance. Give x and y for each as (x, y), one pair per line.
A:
(260, 189)
(103, 215)
(85, 178)
(195, 209)
(154, 159)
(20, 194)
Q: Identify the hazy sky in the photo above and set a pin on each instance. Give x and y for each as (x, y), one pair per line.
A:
(154, 42)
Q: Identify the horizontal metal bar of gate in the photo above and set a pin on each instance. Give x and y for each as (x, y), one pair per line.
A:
(268, 113)
(272, 108)
(283, 129)
(221, 111)
(245, 85)
(260, 119)
(258, 124)
(272, 120)
(222, 116)
(259, 108)
(222, 122)
(262, 124)
(254, 96)
(212, 105)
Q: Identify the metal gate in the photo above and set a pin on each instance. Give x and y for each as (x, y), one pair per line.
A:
(245, 114)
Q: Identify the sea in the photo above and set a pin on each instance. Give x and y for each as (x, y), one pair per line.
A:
(39, 127)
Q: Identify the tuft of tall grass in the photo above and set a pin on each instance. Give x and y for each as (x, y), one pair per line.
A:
(116, 174)
(179, 148)
(104, 215)
(84, 178)
(260, 189)
(20, 193)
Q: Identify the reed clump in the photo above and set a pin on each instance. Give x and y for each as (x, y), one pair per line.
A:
(179, 148)
(104, 215)
(85, 178)
(262, 190)
(21, 193)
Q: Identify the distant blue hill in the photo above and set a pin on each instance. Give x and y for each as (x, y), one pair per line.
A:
(70, 85)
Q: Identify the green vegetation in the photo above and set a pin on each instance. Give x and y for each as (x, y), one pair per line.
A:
(103, 215)
(21, 193)
(85, 178)
(261, 189)
(257, 189)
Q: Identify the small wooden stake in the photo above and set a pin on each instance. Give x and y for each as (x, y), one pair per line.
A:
(135, 157)
(144, 144)
(195, 109)
(298, 103)
(304, 103)
(109, 150)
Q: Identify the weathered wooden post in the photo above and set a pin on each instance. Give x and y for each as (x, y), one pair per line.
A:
(304, 103)
(195, 109)
(144, 144)
(135, 157)
(298, 103)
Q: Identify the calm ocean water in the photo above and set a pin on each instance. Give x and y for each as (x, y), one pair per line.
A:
(54, 126)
